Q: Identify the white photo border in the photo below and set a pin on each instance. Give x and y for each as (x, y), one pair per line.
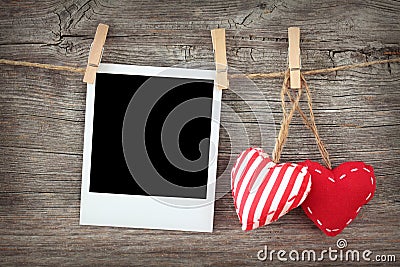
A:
(151, 212)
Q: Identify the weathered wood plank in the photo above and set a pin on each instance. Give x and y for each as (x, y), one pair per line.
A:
(42, 121)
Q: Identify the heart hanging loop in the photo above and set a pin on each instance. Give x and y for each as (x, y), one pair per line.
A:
(287, 117)
(310, 123)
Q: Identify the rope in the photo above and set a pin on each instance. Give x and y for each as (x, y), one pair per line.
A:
(42, 66)
(310, 123)
(251, 76)
(319, 71)
(287, 117)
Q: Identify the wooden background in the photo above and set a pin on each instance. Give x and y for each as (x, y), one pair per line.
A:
(42, 120)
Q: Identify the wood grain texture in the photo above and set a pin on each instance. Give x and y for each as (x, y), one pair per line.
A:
(42, 121)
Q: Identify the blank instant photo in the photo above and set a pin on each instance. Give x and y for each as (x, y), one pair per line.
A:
(150, 148)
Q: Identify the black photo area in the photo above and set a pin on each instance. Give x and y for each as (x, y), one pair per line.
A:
(109, 169)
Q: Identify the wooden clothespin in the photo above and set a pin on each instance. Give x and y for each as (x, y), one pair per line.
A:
(96, 51)
(221, 64)
(294, 57)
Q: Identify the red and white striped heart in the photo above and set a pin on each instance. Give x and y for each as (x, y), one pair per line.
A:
(264, 191)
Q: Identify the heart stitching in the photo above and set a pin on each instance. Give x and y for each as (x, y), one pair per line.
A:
(337, 195)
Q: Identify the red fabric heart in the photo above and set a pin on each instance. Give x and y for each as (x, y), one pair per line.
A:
(264, 191)
(337, 195)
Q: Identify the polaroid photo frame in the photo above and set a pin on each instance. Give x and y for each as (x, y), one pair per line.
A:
(187, 208)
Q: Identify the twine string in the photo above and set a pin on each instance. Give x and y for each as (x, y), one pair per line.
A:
(250, 76)
(313, 127)
(319, 71)
(42, 66)
(310, 123)
(287, 117)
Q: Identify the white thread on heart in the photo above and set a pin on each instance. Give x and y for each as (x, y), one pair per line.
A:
(307, 191)
(336, 229)
(309, 210)
(332, 230)
(359, 208)
(320, 223)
